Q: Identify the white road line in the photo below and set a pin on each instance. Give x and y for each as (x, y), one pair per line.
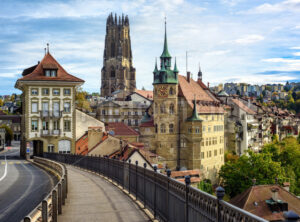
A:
(5, 170)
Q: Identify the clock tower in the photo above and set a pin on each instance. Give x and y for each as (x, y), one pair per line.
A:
(165, 86)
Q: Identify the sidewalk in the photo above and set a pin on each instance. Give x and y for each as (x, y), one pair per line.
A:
(92, 198)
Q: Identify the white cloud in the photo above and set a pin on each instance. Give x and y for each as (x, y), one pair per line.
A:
(295, 47)
(296, 53)
(286, 64)
(286, 5)
(249, 39)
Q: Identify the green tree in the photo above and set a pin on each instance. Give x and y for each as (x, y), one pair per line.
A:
(206, 186)
(237, 176)
(1, 102)
(81, 101)
(8, 134)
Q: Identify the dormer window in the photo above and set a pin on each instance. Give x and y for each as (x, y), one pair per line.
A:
(51, 72)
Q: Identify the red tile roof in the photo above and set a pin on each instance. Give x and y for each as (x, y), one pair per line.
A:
(260, 194)
(243, 107)
(145, 93)
(49, 62)
(206, 101)
(121, 129)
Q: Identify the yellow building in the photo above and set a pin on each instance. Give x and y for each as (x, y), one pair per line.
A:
(48, 103)
(185, 124)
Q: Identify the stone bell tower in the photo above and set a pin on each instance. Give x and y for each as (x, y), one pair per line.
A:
(118, 73)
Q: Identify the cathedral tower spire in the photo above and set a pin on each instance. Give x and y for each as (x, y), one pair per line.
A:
(118, 72)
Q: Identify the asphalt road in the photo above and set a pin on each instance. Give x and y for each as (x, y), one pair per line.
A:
(22, 186)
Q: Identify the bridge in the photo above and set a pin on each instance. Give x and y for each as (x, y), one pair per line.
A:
(94, 188)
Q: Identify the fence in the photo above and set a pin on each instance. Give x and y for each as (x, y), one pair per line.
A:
(166, 198)
(51, 206)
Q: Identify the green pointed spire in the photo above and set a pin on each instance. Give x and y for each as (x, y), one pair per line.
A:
(175, 67)
(155, 69)
(163, 68)
(194, 116)
(165, 53)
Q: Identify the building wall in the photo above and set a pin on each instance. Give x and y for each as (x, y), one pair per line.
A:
(107, 147)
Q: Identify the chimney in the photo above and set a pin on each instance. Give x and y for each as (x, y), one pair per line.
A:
(188, 76)
(286, 186)
(275, 193)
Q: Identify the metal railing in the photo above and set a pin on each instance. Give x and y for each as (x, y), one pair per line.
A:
(51, 205)
(167, 198)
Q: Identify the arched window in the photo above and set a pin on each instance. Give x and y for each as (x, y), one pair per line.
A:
(162, 108)
(156, 130)
(171, 128)
(113, 73)
(163, 128)
(171, 109)
(171, 92)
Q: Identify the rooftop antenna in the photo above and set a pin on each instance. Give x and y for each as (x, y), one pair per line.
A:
(45, 51)
(47, 47)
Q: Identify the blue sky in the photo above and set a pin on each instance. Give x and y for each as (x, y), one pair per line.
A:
(252, 41)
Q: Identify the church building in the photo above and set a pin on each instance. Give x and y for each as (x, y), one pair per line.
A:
(185, 123)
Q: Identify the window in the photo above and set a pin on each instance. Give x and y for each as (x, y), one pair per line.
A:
(129, 122)
(203, 128)
(34, 92)
(136, 122)
(45, 92)
(116, 111)
(209, 141)
(67, 92)
(53, 73)
(202, 142)
(45, 125)
(136, 113)
(215, 152)
(47, 73)
(206, 141)
(162, 128)
(67, 107)
(162, 108)
(189, 130)
(113, 73)
(202, 155)
(210, 153)
(56, 109)
(34, 107)
(171, 109)
(56, 92)
(103, 112)
(171, 92)
(155, 108)
(129, 113)
(67, 125)
(171, 128)
(34, 125)
(56, 125)
(50, 148)
(197, 130)
(208, 129)
(45, 108)
(182, 143)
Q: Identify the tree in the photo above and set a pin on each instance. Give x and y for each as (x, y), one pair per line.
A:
(298, 138)
(8, 133)
(1, 102)
(81, 101)
(206, 186)
(237, 176)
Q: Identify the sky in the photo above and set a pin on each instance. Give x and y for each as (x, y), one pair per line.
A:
(251, 41)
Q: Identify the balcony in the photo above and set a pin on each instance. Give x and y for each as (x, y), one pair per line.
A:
(50, 132)
(46, 114)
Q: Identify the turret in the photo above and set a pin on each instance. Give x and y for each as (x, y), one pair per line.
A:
(199, 74)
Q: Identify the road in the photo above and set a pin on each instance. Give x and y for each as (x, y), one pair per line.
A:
(22, 185)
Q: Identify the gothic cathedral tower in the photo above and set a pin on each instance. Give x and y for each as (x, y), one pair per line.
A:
(117, 73)
(165, 98)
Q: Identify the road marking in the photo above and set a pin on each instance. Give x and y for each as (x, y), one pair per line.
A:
(5, 171)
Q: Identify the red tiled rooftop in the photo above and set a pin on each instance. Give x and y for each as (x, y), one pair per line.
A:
(121, 129)
(145, 93)
(243, 106)
(49, 62)
(148, 124)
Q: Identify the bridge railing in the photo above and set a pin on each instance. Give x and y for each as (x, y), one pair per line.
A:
(51, 205)
(166, 198)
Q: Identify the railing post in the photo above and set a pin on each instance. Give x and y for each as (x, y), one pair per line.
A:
(168, 194)
(63, 189)
(291, 216)
(27, 219)
(54, 206)
(220, 194)
(145, 165)
(59, 194)
(187, 180)
(129, 175)
(66, 182)
(136, 179)
(45, 211)
(154, 204)
(124, 174)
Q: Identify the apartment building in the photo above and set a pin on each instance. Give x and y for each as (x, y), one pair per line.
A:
(48, 111)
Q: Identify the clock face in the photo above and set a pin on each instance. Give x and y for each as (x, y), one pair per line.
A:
(162, 91)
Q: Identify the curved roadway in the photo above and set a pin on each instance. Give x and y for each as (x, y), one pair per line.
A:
(22, 186)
